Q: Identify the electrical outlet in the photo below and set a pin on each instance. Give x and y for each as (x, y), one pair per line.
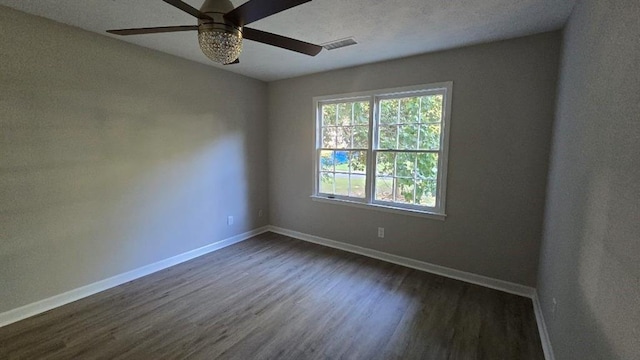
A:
(229, 220)
(381, 232)
(555, 306)
(260, 213)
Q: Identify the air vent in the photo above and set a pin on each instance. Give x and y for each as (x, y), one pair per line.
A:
(339, 43)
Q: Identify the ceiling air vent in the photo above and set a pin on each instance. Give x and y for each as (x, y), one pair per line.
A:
(339, 43)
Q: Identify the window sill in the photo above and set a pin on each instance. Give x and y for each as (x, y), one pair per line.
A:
(390, 209)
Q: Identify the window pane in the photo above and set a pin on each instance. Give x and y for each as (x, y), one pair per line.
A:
(329, 114)
(344, 137)
(427, 166)
(404, 190)
(329, 137)
(344, 126)
(410, 110)
(387, 137)
(326, 182)
(384, 188)
(360, 137)
(326, 160)
(357, 186)
(408, 137)
(361, 113)
(344, 114)
(342, 161)
(342, 184)
(358, 162)
(431, 109)
(385, 163)
(430, 137)
(426, 192)
(405, 165)
(389, 111)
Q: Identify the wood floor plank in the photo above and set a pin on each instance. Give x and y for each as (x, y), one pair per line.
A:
(274, 297)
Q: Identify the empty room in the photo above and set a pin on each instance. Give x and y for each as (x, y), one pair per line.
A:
(326, 179)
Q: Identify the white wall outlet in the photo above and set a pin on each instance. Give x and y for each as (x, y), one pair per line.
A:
(381, 232)
(229, 220)
(260, 213)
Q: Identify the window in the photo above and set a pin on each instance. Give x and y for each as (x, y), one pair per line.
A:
(386, 149)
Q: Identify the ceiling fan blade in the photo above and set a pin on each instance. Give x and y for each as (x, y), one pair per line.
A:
(254, 10)
(281, 41)
(236, 61)
(188, 9)
(153, 30)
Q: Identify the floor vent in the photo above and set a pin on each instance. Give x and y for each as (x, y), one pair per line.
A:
(339, 43)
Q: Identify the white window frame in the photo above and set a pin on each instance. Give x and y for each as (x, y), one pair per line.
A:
(374, 98)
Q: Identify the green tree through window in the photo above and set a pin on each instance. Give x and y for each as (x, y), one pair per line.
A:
(407, 149)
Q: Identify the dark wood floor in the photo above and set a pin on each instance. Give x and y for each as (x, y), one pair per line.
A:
(274, 297)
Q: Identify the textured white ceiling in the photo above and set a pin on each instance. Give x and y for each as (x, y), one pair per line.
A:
(384, 29)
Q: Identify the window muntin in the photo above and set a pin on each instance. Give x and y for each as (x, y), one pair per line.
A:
(385, 148)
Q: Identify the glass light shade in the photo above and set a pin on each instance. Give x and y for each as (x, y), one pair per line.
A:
(219, 45)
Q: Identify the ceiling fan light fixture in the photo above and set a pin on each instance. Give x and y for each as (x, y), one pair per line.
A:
(221, 27)
(222, 45)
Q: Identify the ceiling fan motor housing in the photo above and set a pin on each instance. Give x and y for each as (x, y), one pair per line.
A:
(220, 39)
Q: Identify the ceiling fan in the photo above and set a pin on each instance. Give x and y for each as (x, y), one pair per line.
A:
(221, 28)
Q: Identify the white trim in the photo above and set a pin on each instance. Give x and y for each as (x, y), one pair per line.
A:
(402, 90)
(41, 306)
(379, 207)
(374, 97)
(542, 328)
(476, 279)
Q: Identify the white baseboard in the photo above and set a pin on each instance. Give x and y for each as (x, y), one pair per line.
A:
(41, 306)
(476, 279)
(542, 328)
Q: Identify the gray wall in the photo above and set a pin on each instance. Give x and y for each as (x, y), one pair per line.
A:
(502, 113)
(590, 257)
(114, 157)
